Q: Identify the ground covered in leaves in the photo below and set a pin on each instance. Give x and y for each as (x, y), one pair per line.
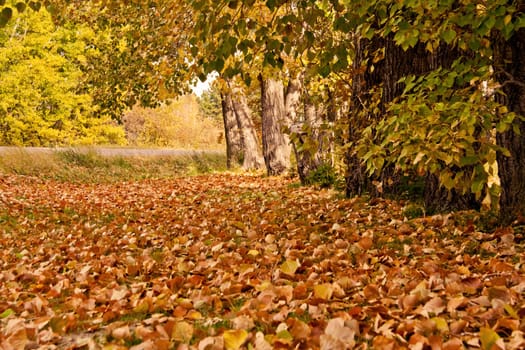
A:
(244, 262)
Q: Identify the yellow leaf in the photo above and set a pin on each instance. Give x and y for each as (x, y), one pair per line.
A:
(488, 338)
(182, 332)
(194, 315)
(464, 270)
(142, 307)
(289, 267)
(510, 310)
(253, 253)
(323, 291)
(441, 324)
(233, 339)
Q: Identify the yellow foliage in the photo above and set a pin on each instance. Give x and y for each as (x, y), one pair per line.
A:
(178, 124)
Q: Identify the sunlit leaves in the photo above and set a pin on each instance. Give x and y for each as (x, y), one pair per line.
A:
(239, 261)
(42, 100)
(289, 267)
(234, 339)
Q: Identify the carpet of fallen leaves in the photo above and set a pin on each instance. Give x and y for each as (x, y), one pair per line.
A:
(244, 262)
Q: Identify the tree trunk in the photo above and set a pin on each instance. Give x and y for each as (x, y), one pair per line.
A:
(276, 144)
(296, 124)
(373, 90)
(252, 154)
(234, 146)
(509, 66)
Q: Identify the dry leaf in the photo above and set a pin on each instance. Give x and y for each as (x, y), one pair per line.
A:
(234, 339)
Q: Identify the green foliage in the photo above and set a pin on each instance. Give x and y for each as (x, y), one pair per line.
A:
(41, 103)
(139, 55)
(324, 176)
(442, 124)
(412, 211)
(210, 103)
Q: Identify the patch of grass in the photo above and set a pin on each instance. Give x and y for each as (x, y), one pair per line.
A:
(134, 316)
(86, 166)
(87, 159)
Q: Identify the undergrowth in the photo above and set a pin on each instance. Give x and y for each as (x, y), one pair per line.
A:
(77, 165)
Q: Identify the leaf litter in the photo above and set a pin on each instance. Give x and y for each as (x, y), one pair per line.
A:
(243, 262)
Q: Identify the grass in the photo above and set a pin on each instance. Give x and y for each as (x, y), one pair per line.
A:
(81, 166)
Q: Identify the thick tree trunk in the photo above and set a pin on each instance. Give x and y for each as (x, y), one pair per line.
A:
(439, 199)
(234, 146)
(252, 154)
(373, 90)
(276, 144)
(509, 65)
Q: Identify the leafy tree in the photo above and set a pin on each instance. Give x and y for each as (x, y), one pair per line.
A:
(210, 103)
(141, 50)
(41, 102)
(413, 63)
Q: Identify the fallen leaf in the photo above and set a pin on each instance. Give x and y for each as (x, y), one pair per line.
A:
(323, 291)
(234, 339)
(289, 267)
(182, 332)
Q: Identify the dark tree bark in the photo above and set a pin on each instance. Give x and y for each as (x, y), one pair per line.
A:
(276, 144)
(252, 157)
(234, 146)
(509, 57)
(373, 90)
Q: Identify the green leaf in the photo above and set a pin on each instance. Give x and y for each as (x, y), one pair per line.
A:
(468, 160)
(510, 310)
(7, 313)
(448, 35)
(285, 336)
(477, 185)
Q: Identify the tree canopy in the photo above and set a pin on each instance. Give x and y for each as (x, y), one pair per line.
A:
(42, 101)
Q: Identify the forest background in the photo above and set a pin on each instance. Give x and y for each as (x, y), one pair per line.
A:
(381, 94)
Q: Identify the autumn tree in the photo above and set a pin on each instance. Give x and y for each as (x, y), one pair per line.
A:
(42, 100)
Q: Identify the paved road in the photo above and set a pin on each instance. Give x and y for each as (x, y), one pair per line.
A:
(109, 151)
